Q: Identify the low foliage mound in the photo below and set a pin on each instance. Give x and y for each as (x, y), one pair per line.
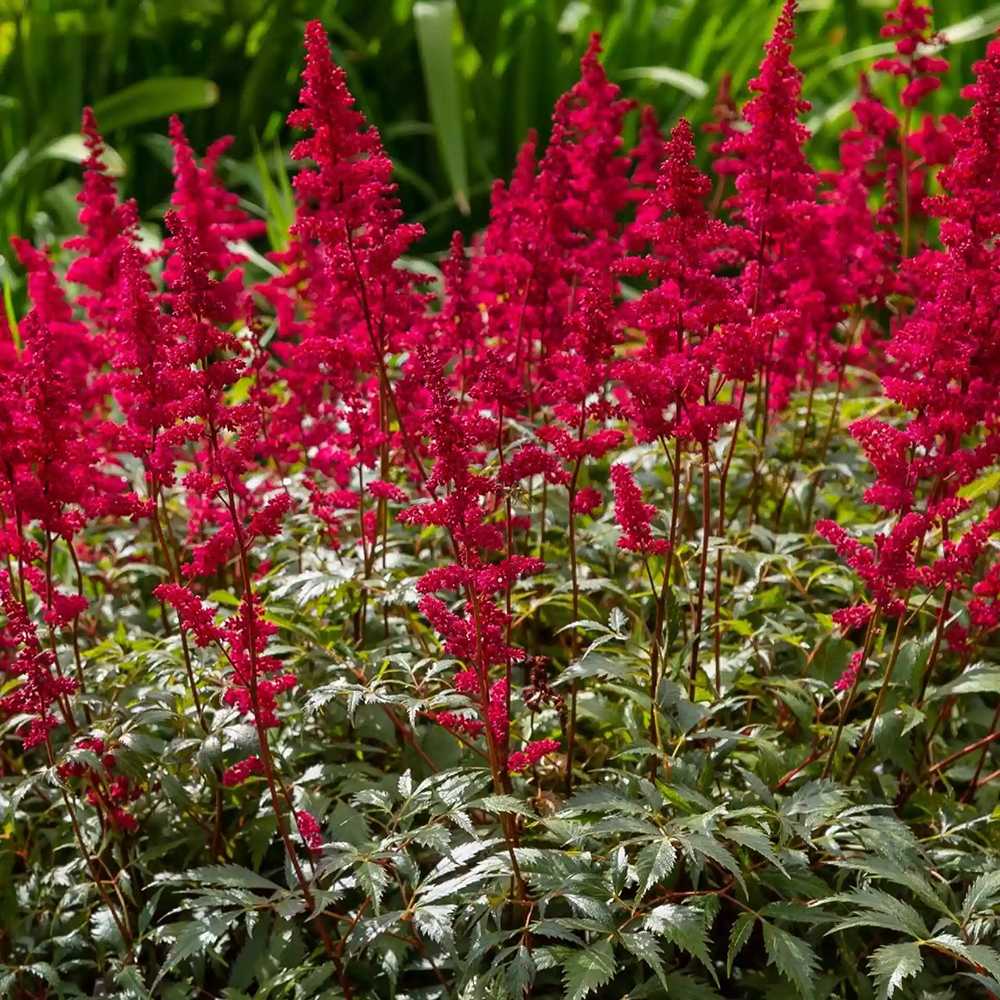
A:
(610, 612)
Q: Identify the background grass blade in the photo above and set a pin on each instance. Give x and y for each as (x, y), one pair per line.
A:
(435, 24)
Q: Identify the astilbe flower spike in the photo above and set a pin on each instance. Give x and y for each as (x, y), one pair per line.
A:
(40, 686)
(210, 211)
(791, 294)
(476, 634)
(634, 516)
(347, 239)
(108, 226)
(909, 25)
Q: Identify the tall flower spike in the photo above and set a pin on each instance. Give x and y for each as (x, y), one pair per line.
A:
(342, 264)
(584, 175)
(210, 211)
(634, 516)
(910, 25)
(688, 310)
(108, 225)
(774, 183)
(794, 297)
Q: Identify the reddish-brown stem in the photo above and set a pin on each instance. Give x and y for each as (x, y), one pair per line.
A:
(497, 754)
(982, 759)
(654, 659)
(935, 648)
(706, 532)
(943, 765)
(849, 700)
(574, 641)
(883, 689)
(120, 919)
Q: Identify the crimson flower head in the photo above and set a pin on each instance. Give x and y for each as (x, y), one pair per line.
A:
(909, 23)
(108, 225)
(40, 685)
(633, 516)
(774, 179)
(210, 211)
(583, 175)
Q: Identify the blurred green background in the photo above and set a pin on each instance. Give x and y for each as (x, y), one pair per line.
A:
(453, 84)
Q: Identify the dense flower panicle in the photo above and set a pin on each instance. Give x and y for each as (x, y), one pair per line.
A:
(583, 177)
(53, 442)
(40, 685)
(382, 490)
(521, 760)
(970, 209)
(587, 500)
(254, 684)
(108, 792)
(849, 619)
(788, 283)
(687, 312)
(464, 724)
(207, 208)
(862, 237)
(723, 126)
(52, 312)
(647, 154)
(633, 516)
(266, 523)
(242, 770)
(910, 25)
(108, 226)
(847, 680)
(309, 830)
(888, 568)
(984, 608)
(887, 448)
(477, 632)
(945, 355)
(775, 184)
(195, 616)
(347, 239)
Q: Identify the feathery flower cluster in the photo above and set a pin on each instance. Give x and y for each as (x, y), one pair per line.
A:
(634, 516)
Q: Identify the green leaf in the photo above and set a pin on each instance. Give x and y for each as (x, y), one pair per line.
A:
(980, 955)
(982, 895)
(194, 937)
(909, 878)
(229, 875)
(793, 958)
(681, 986)
(704, 844)
(682, 926)
(653, 862)
(874, 908)
(690, 85)
(435, 22)
(978, 679)
(892, 964)
(643, 945)
(154, 98)
(73, 149)
(520, 973)
(756, 841)
(435, 922)
(985, 483)
(372, 880)
(588, 969)
(738, 937)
